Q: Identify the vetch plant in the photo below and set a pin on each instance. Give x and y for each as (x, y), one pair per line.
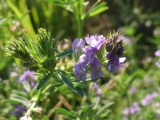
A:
(93, 53)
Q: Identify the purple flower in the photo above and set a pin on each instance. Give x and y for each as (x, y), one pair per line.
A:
(114, 63)
(126, 111)
(80, 71)
(96, 69)
(113, 51)
(95, 41)
(98, 49)
(90, 53)
(83, 59)
(157, 53)
(19, 111)
(120, 51)
(94, 85)
(134, 109)
(148, 99)
(26, 76)
(77, 46)
(33, 83)
(158, 63)
(133, 90)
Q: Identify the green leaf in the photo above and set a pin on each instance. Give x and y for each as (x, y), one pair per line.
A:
(79, 91)
(65, 53)
(98, 8)
(79, 84)
(67, 81)
(18, 97)
(95, 12)
(20, 93)
(104, 107)
(96, 102)
(26, 86)
(44, 80)
(63, 111)
(10, 101)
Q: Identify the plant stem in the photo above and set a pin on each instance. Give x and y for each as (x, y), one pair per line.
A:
(30, 109)
(78, 15)
(33, 104)
(79, 25)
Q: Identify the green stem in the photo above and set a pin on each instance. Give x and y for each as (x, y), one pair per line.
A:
(33, 104)
(30, 109)
(78, 15)
(79, 25)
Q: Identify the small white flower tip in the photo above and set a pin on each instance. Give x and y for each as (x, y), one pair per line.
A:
(25, 118)
(122, 59)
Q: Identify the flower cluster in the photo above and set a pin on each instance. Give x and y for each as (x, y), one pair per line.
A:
(148, 99)
(134, 109)
(95, 50)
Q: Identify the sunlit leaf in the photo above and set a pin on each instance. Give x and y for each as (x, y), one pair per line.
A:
(67, 81)
(104, 107)
(44, 80)
(10, 101)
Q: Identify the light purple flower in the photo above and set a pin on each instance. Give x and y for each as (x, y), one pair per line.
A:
(134, 109)
(95, 41)
(126, 111)
(90, 53)
(158, 63)
(133, 90)
(26, 76)
(96, 69)
(80, 71)
(13, 74)
(157, 53)
(84, 59)
(94, 85)
(19, 111)
(33, 83)
(77, 46)
(149, 98)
